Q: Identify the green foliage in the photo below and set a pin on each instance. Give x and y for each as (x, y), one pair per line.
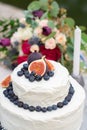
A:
(51, 35)
(35, 5)
(70, 22)
(51, 24)
(8, 27)
(44, 5)
(54, 9)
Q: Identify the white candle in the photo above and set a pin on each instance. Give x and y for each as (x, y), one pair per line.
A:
(76, 56)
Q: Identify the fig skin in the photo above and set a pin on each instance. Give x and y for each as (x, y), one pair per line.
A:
(34, 56)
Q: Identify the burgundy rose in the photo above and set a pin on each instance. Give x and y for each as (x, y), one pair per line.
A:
(26, 47)
(21, 59)
(46, 31)
(38, 13)
(51, 54)
(5, 42)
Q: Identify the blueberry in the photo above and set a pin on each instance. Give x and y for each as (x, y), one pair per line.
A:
(22, 69)
(20, 73)
(65, 102)
(68, 97)
(38, 77)
(25, 66)
(5, 92)
(44, 109)
(50, 73)
(71, 90)
(60, 105)
(27, 75)
(16, 102)
(31, 108)
(9, 88)
(11, 99)
(38, 108)
(11, 93)
(31, 78)
(25, 106)
(10, 84)
(54, 107)
(15, 97)
(46, 77)
(49, 108)
(32, 73)
(20, 104)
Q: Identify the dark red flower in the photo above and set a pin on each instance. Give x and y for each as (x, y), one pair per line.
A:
(46, 31)
(26, 47)
(54, 54)
(21, 59)
(38, 13)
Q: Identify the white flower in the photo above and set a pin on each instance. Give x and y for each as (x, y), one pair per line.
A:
(38, 31)
(34, 48)
(16, 37)
(61, 38)
(50, 43)
(43, 23)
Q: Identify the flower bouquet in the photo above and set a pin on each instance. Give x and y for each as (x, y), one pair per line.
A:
(46, 28)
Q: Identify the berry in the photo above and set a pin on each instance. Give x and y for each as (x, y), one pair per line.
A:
(25, 106)
(5, 92)
(15, 97)
(20, 104)
(31, 78)
(38, 108)
(16, 102)
(31, 108)
(20, 73)
(27, 75)
(32, 73)
(54, 107)
(46, 77)
(50, 73)
(44, 109)
(71, 90)
(38, 78)
(49, 108)
(65, 102)
(11, 93)
(68, 98)
(60, 105)
(25, 66)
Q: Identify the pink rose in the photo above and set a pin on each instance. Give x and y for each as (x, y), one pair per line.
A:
(50, 44)
(61, 39)
(43, 23)
(38, 31)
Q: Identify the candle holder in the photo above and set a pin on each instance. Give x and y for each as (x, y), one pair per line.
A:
(79, 79)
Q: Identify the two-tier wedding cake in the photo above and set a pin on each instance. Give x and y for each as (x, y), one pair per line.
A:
(41, 96)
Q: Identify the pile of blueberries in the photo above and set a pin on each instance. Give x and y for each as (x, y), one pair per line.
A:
(14, 99)
(1, 128)
(32, 76)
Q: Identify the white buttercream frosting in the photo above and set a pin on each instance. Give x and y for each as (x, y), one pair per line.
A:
(67, 118)
(42, 93)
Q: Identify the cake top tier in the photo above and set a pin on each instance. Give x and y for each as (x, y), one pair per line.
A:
(60, 78)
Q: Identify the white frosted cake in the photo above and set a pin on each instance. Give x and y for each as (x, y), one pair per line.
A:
(50, 103)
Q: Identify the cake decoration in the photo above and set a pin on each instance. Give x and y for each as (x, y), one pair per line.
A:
(6, 81)
(9, 93)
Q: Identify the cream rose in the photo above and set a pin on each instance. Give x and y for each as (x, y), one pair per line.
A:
(38, 31)
(61, 39)
(43, 23)
(50, 43)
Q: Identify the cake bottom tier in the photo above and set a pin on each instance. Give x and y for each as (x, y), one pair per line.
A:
(67, 118)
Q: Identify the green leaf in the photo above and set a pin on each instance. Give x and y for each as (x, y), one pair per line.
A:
(44, 4)
(44, 16)
(70, 22)
(51, 24)
(35, 5)
(70, 51)
(84, 37)
(83, 28)
(51, 35)
(55, 9)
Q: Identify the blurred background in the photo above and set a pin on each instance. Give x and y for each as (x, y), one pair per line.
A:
(77, 9)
